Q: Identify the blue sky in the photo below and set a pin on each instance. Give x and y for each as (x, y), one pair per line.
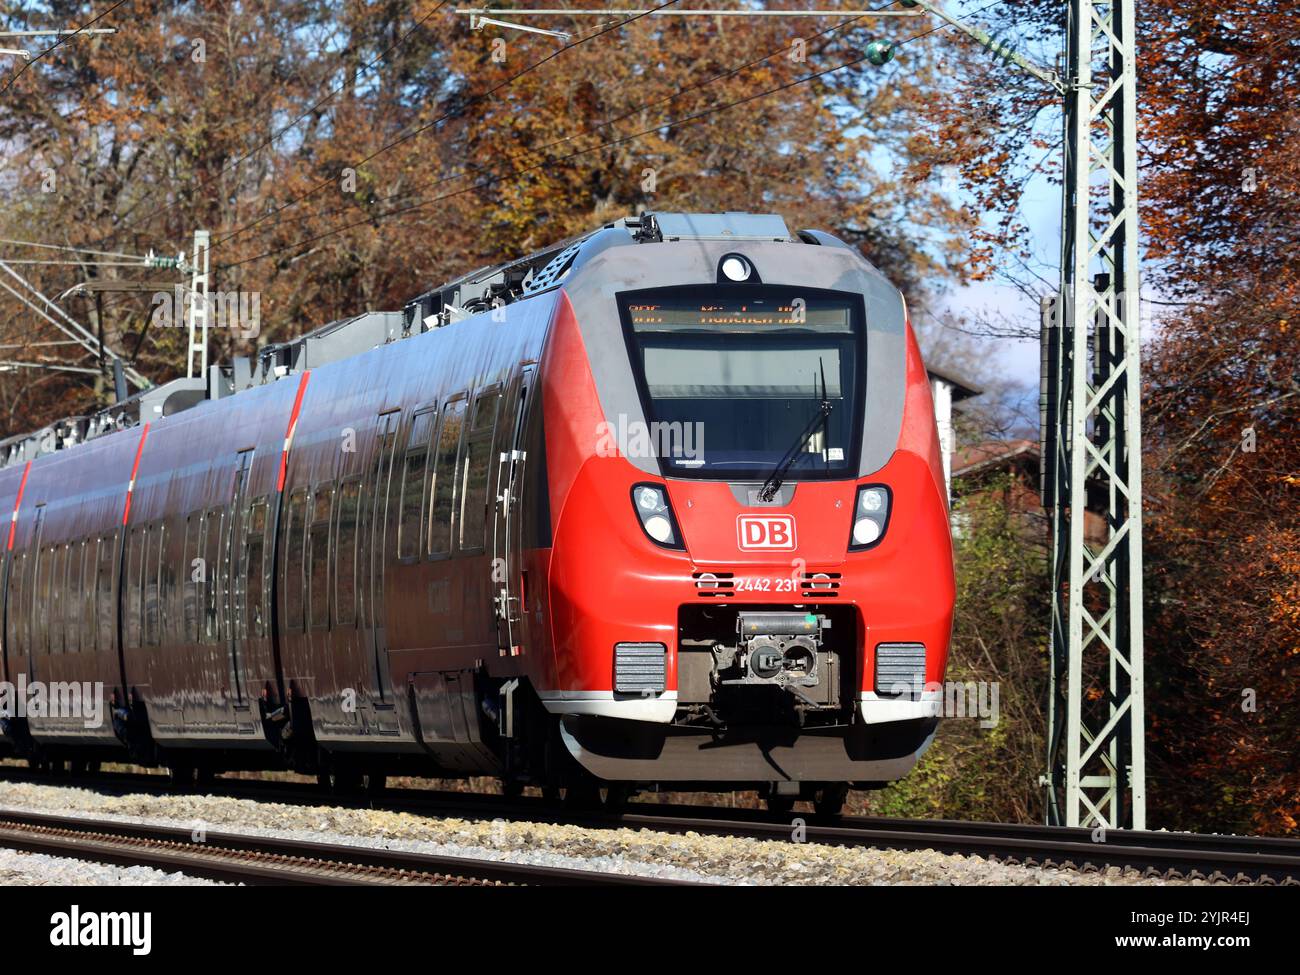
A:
(1017, 360)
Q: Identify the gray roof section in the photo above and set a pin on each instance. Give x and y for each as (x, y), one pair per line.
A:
(722, 226)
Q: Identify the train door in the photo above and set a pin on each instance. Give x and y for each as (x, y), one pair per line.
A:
(234, 592)
(507, 520)
(15, 616)
(33, 615)
(12, 597)
(4, 619)
(378, 504)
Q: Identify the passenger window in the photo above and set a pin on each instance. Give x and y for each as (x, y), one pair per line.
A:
(134, 558)
(256, 585)
(485, 409)
(89, 563)
(31, 588)
(345, 547)
(192, 588)
(444, 477)
(106, 615)
(47, 594)
(90, 581)
(478, 464)
(414, 477)
(152, 572)
(211, 576)
(58, 585)
(74, 600)
(319, 555)
(295, 530)
(16, 614)
(39, 598)
(168, 599)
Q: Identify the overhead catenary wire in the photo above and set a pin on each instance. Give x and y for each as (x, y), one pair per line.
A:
(39, 345)
(419, 130)
(711, 12)
(683, 122)
(7, 364)
(55, 32)
(69, 247)
(61, 39)
(70, 263)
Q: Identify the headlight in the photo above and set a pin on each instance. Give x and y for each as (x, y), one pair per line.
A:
(865, 531)
(649, 499)
(657, 521)
(659, 528)
(872, 499)
(870, 516)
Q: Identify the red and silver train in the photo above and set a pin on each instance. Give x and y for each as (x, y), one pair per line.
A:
(659, 506)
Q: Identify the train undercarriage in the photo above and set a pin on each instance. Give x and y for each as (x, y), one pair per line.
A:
(759, 709)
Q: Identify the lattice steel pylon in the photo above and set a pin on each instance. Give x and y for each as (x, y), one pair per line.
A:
(200, 306)
(1092, 457)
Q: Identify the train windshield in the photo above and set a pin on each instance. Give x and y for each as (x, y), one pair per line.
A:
(739, 380)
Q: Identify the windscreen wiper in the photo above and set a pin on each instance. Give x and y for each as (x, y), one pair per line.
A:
(773, 482)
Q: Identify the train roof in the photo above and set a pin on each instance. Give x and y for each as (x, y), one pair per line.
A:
(470, 294)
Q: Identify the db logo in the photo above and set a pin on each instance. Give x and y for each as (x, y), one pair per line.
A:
(765, 532)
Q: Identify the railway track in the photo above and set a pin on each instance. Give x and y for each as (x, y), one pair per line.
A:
(245, 859)
(1219, 858)
(1227, 859)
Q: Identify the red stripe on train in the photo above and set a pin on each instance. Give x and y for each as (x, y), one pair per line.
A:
(13, 522)
(135, 469)
(288, 434)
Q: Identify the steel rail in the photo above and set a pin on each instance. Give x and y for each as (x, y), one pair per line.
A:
(250, 859)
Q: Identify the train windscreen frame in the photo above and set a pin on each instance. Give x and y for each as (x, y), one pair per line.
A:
(734, 379)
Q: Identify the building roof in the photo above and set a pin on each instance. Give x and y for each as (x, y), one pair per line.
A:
(991, 454)
(961, 389)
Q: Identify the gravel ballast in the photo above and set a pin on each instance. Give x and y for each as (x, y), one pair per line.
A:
(715, 859)
(19, 869)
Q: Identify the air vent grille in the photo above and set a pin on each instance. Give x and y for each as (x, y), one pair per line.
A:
(639, 668)
(555, 270)
(714, 585)
(822, 585)
(900, 670)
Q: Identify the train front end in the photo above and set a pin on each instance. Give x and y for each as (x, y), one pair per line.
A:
(751, 578)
